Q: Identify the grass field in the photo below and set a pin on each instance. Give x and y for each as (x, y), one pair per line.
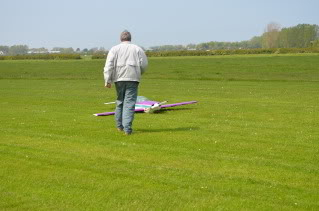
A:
(251, 142)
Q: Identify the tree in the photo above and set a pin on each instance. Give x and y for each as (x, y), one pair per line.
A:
(67, 50)
(4, 49)
(271, 35)
(191, 46)
(93, 50)
(101, 50)
(255, 42)
(203, 46)
(307, 34)
(300, 36)
(18, 49)
(315, 44)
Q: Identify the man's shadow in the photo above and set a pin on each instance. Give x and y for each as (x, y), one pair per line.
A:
(178, 129)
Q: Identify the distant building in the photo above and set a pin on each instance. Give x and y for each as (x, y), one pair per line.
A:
(54, 51)
(37, 52)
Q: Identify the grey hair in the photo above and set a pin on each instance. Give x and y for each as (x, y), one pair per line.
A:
(126, 36)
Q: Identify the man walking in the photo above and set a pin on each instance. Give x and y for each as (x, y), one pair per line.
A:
(124, 66)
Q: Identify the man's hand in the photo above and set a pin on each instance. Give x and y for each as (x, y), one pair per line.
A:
(108, 85)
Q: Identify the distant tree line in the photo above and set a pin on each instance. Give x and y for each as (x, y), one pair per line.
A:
(170, 53)
(300, 36)
(231, 52)
(24, 49)
(55, 56)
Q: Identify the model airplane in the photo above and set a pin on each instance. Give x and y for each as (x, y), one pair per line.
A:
(147, 106)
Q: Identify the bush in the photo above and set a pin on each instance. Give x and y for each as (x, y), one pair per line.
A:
(99, 56)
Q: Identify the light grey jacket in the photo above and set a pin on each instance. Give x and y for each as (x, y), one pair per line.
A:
(125, 62)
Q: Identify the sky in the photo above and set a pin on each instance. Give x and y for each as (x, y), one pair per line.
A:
(98, 23)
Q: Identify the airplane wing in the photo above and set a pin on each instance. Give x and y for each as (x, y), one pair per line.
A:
(178, 104)
(104, 114)
(112, 113)
(142, 106)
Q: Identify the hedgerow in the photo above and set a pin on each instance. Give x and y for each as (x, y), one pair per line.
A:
(42, 57)
(231, 52)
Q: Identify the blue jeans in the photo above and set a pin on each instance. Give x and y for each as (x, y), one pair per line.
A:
(125, 104)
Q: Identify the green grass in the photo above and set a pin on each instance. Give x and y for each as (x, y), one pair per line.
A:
(251, 142)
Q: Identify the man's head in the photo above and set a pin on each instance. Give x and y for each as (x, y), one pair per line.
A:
(126, 36)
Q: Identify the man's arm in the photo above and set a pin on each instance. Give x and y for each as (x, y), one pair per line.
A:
(143, 61)
(109, 69)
